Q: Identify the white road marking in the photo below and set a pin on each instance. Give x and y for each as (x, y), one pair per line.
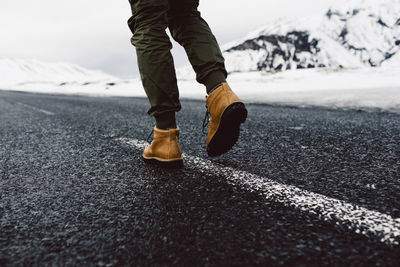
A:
(358, 219)
(37, 109)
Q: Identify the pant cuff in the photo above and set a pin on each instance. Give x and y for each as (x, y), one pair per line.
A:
(214, 79)
(166, 121)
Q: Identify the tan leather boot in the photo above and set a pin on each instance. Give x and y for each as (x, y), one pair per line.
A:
(227, 113)
(164, 150)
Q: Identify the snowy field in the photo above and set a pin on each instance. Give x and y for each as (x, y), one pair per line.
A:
(365, 88)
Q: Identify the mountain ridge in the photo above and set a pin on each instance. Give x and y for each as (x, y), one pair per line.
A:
(362, 33)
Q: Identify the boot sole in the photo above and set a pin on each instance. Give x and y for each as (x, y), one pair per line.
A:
(228, 130)
(175, 164)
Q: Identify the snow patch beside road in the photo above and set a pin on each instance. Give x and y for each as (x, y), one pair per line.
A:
(363, 88)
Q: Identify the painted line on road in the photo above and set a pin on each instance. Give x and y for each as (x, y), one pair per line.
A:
(37, 109)
(363, 221)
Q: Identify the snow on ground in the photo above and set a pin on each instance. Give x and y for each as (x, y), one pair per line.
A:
(365, 88)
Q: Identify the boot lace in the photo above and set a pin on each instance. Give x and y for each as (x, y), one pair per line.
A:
(149, 137)
(206, 121)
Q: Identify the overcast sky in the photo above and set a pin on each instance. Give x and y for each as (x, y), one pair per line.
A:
(94, 33)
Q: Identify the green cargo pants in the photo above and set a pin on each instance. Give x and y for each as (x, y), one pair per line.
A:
(148, 24)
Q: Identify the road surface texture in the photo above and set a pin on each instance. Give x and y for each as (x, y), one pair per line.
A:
(304, 186)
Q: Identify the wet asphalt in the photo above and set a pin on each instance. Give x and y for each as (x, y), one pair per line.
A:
(72, 194)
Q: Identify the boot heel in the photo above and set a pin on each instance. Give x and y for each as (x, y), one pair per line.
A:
(176, 164)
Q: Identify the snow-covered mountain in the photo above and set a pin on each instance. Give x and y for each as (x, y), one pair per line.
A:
(14, 71)
(360, 33)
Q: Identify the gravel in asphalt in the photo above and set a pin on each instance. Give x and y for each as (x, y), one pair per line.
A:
(72, 194)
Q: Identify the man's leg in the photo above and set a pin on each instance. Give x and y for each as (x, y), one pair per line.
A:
(193, 33)
(226, 110)
(148, 24)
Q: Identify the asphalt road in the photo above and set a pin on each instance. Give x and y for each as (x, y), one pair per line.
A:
(74, 190)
